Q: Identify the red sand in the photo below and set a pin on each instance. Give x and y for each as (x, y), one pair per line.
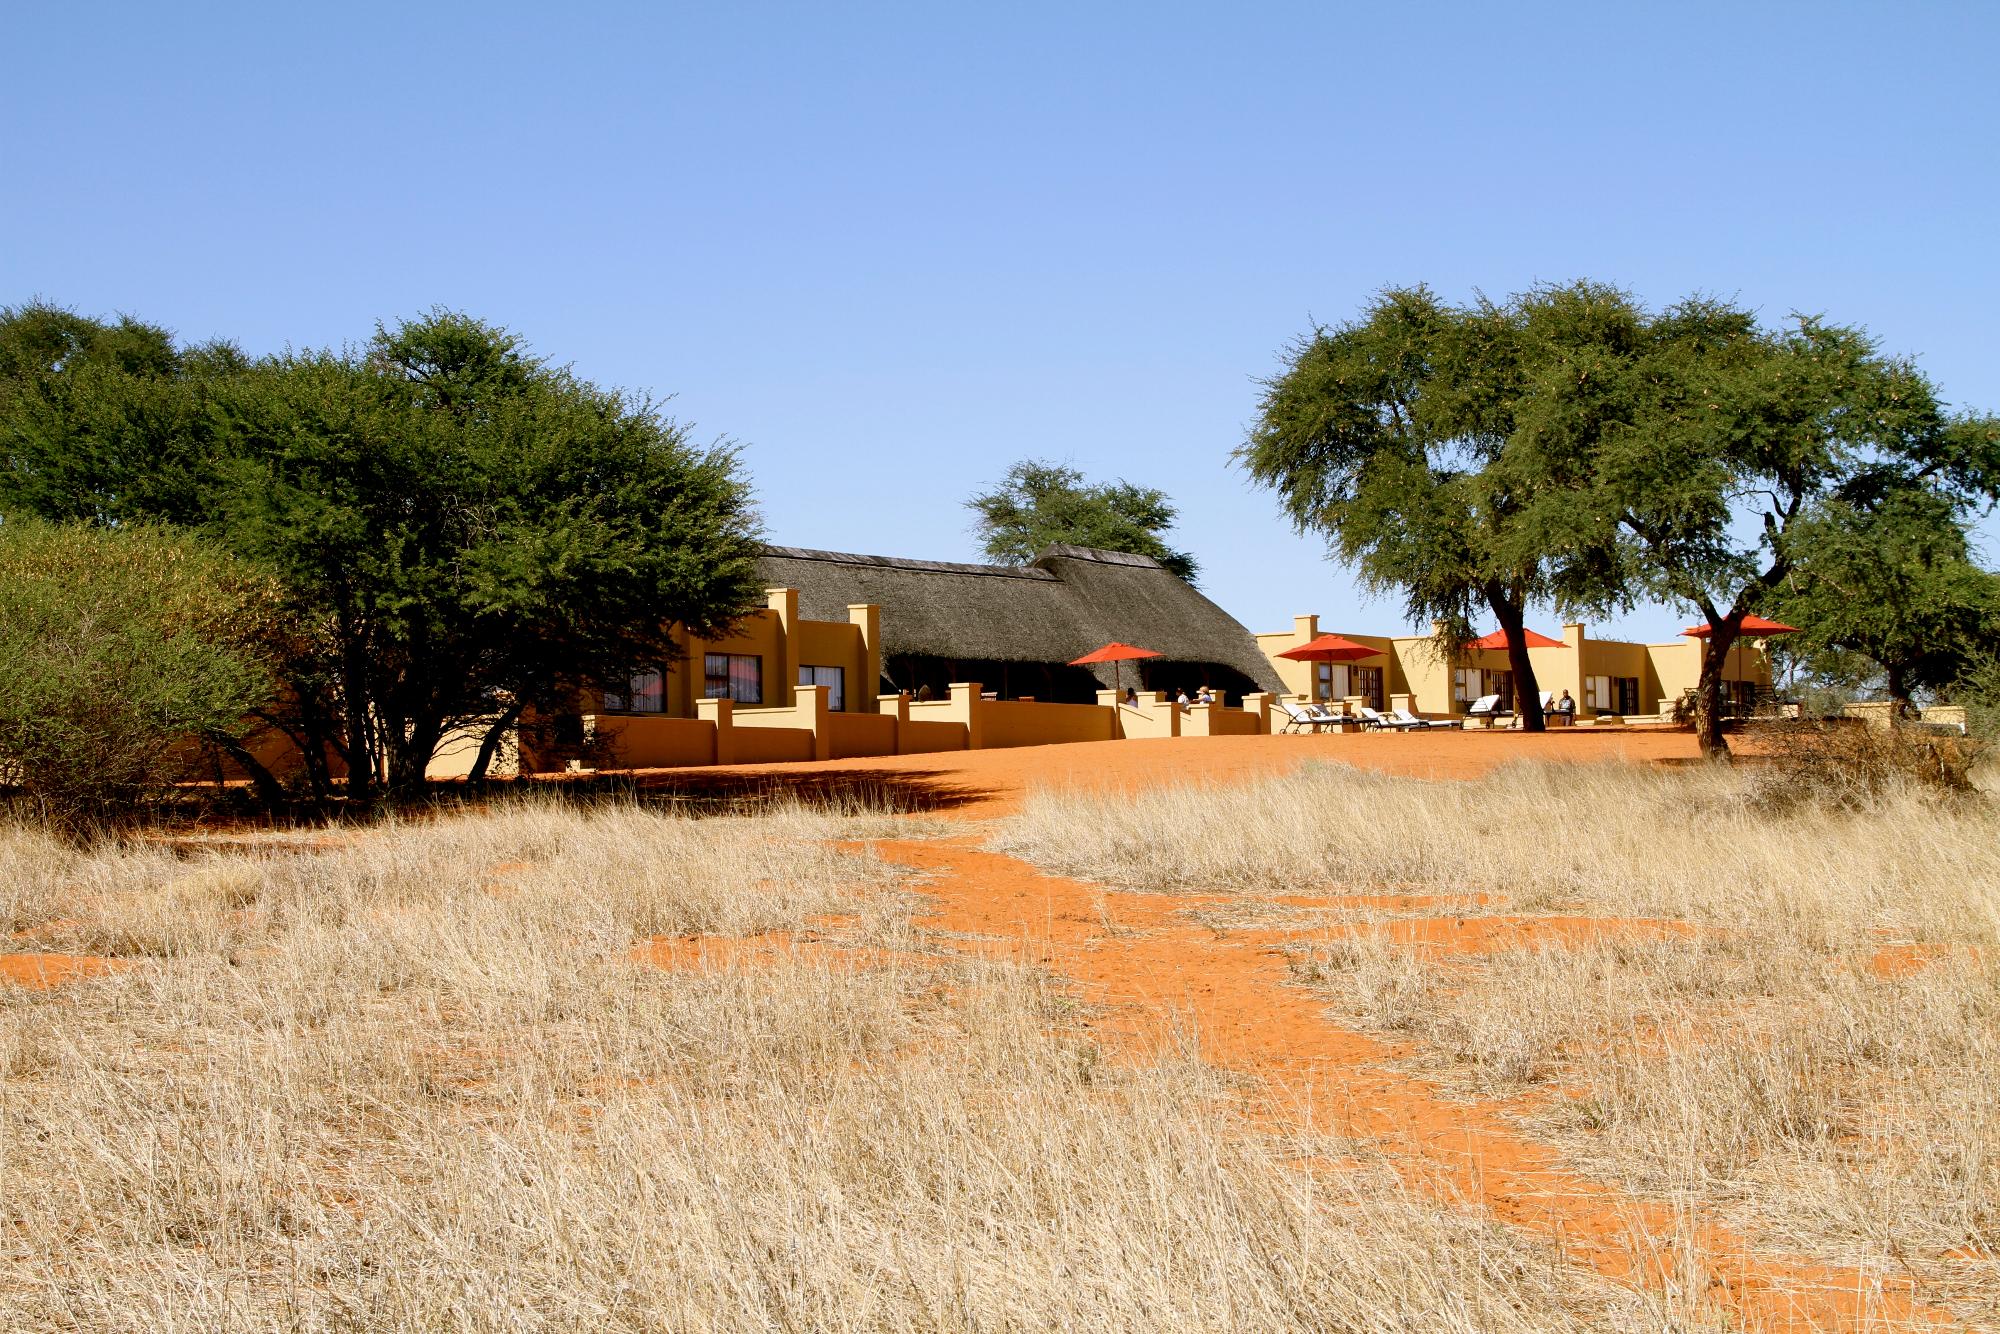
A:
(40, 971)
(982, 784)
(1151, 970)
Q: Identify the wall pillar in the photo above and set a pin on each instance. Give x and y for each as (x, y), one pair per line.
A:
(896, 706)
(1258, 705)
(814, 705)
(867, 618)
(1575, 635)
(784, 605)
(721, 712)
(965, 702)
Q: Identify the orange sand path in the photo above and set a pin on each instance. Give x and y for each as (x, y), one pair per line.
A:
(1153, 971)
(982, 784)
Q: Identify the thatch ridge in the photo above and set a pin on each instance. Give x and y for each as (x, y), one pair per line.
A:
(1068, 601)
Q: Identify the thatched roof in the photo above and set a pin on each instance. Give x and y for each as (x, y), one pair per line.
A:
(1068, 602)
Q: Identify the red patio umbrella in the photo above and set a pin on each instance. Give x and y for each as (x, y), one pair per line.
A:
(1114, 652)
(1498, 639)
(1329, 648)
(1754, 627)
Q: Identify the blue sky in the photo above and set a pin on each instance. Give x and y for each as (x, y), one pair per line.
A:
(892, 249)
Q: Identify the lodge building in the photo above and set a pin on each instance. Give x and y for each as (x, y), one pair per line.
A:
(857, 655)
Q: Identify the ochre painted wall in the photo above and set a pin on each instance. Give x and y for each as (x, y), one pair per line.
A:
(1416, 668)
(1006, 723)
(652, 741)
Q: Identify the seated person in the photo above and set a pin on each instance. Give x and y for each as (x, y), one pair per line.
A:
(1566, 706)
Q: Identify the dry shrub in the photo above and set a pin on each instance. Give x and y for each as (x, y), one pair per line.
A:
(1846, 764)
(417, 1080)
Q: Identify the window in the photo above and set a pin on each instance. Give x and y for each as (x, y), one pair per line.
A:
(1465, 685)
(1501, 684)
(833, 678)
(645, 692)
(1597, 693)
(734, 676)
(1367, 683)
(1331, 680)
(1611, 694)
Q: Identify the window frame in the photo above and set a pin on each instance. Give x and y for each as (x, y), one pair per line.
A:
(627, 700)
(836, 699)
(727, 684)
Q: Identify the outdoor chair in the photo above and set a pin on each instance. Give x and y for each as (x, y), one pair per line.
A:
(1377, 721)
(1327, 717)
(1404, 720)
(1300, 715)
(1487, 709)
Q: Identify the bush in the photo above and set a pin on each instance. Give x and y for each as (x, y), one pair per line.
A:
(120, 649)
(1846, 763)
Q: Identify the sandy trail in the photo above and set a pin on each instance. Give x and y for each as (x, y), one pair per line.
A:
(1152, 971)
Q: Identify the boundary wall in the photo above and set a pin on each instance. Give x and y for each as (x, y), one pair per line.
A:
(809, 729)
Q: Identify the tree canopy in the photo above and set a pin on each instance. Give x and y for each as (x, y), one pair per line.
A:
(1039, 504)
(1707, 452)
(459, 529)
(1894, 581)
(1383, 435)
(1572, 446)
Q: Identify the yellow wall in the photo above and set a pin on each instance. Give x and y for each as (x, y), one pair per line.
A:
(1416, 669)
(1011, 722)
(654, 741)
(1300, 678)
(783, 642)
(855, 734)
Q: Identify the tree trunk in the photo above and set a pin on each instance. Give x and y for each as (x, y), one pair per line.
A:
(410, 752)
(269, 790)
(491, 746)
(1527, 690)
(1708, 692)
(1899, 691)
(354, 709)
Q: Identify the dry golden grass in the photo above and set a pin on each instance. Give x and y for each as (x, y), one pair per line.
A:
(417, 1079)
(1816, 1053)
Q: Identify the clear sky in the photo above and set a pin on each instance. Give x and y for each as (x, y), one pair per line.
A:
(893, 249)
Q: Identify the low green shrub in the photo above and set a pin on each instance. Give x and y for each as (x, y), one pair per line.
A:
(121, 650)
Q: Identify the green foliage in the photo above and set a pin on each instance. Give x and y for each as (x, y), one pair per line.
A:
(1694, 456)
(1978, 692)
(459, 529)
(1041, 504)
(118, 650)
(1895, 582)
(1384, 435)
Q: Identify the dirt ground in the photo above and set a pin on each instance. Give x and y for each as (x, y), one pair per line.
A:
(1150, 972)
(986, 784)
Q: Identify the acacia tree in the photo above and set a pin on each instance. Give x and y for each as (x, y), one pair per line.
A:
(1382, 435)
(1699, 447)
(1893, 580)
(1039, 504)
(459, 529)
(472, 531)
